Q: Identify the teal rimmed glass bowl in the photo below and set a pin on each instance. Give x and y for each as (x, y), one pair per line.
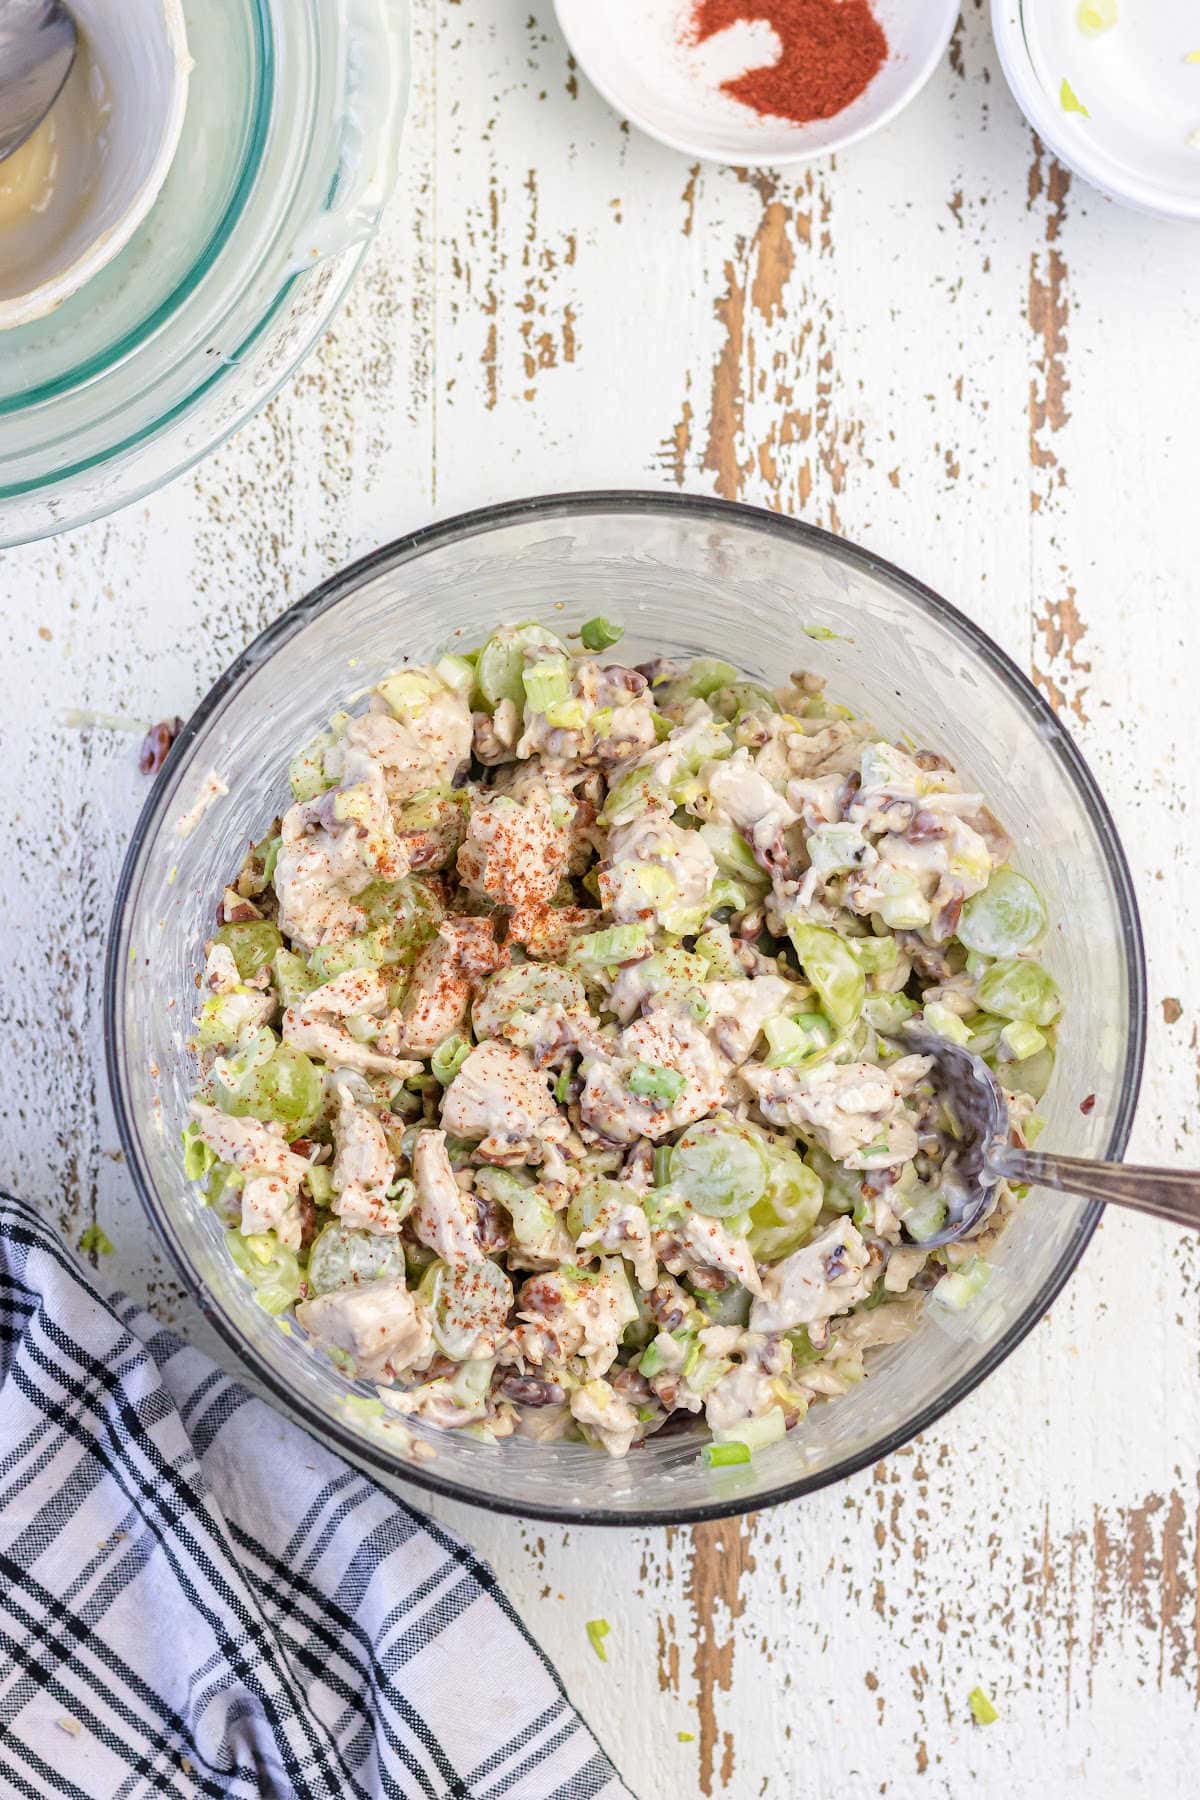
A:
(289, 151)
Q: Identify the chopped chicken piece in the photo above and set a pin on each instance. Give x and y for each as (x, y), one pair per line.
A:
(363, 1169)
(826, 1277)
(316, 1025)
(444, 1217)
(500, 1099)
(380, 1324)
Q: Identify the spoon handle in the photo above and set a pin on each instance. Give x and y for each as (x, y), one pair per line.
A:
(1166, 1193)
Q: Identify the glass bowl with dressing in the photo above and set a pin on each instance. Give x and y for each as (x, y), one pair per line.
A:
(288, 152)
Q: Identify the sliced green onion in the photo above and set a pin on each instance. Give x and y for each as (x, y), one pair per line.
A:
(449, 1057)
(600, 633)
(597, 1630)
(562, 1087)
(724, 1456)
(650, 1081)
(662, 1165)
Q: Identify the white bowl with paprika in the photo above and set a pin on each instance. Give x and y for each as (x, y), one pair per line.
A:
(758, 82)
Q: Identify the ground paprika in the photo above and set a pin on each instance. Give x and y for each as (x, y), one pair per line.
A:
(831, 50)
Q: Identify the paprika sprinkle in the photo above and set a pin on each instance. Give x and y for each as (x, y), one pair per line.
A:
(831, 51)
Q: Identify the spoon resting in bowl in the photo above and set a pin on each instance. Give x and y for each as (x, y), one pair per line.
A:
(38, 44)
(985, 1157)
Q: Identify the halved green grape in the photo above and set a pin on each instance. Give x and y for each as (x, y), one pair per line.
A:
(467, 1302)
(365, 950)
(720, 1167)
(1031, 1076)
(274, 1271)
(502, 660)
(843, 1187)
(286, 1087)
(700, 679)
(1009, 915)
(342, 1257)
(875, 955)
(615, 944)
(830, 966)
(1015, 989)
(252, 944)
(306, 771)
(293, 977)
(783, 1219)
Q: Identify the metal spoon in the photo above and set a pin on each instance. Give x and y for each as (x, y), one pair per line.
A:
(986, 1157)
(38, 44)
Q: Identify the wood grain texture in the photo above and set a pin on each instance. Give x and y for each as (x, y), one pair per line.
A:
(945, 348)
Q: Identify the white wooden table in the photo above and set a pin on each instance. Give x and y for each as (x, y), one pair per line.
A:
(944, 348)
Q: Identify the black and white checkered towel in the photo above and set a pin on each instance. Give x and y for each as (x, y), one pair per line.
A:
(197, 1598)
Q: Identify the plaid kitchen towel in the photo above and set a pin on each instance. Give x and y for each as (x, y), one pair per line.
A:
(196, 1598)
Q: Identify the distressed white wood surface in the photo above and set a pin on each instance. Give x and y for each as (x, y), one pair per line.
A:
(943, 348)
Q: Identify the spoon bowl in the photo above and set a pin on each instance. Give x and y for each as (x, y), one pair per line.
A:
(38, 46)
(984, 1155)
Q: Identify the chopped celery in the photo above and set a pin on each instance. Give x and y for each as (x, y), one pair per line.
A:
(723, 1456)
(615, 944)
(925, 1217)
(1069, 100)
(796, 1041)
(306, 771)
(724, 895)
(293, 977)
(755, 1434)
(274, 1271)
(600, 633)
(830, 966)
(533, 1218)
(1006, 917)
(732, 854)
(875, 955)
(1032, 1075)
(1015, 989)
(832, 849)
(198, 1158)
(224, 1017)
(983, 1710)
(597, 1630)
(320, 1183)
(720, 1167)
(252, 944)
(285, 1086)
(409, 692)
(449, 1057)
(957, 1289)
(1020, 1040)
(887, 1012)
(566, 715)
(662, 1165)
(716, 947)
(458, 673)
(650, 1081)
(945, 1023)
(546, 683)
(562, 1087)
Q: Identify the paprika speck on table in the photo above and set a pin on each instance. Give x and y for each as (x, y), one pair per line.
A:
(831, 51)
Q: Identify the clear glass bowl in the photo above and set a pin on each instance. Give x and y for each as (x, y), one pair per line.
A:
(686, 576)
(289, 151)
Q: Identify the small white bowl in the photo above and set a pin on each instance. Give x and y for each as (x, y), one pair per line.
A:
(633, 52)
(1142, 95)
(117, 121)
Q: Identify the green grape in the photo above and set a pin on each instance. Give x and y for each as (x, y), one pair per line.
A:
(1031, 1076)
(252, 944)
(1014, 989)
(830, 965)
(342, 1257)
(720, 1167)
(532, 1216)
(782, 1220)
(700, 679)
(293, 978)
(887, 1013)
(286, 1087)
(501, 662)
(465, 1300)
(1008, 916)
(524, 988)
(594, 1205)
(274, 1271)
(842, 1186)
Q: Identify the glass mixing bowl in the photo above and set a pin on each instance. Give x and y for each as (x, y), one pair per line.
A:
(686, 577)
(288, 153)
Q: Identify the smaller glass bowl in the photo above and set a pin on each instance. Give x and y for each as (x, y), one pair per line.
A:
(686, 577)
(288, 152)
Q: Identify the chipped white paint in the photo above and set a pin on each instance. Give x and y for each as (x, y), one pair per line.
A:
(986, 373)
